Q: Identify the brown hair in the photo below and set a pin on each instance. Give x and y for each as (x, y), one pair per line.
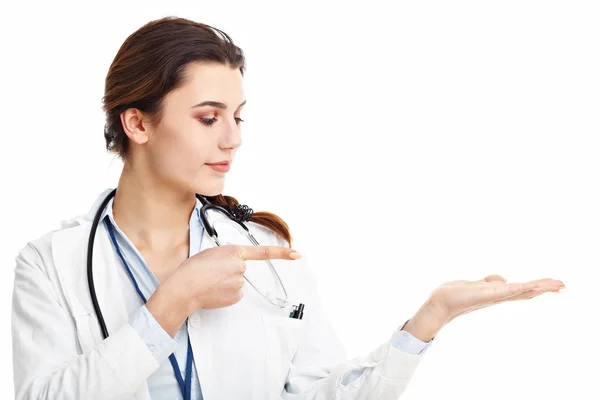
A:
(150, 64)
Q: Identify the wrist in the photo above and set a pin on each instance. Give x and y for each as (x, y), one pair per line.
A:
(169, 308)
(426, 322)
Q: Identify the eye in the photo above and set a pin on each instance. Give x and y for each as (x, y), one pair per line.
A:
(210, 121)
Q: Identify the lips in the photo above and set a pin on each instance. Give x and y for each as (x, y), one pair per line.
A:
(221, 166)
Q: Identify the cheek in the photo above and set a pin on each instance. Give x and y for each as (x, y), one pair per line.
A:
(172, 146)
(178, 152)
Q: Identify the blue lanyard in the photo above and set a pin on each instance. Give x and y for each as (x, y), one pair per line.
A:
(185, 386)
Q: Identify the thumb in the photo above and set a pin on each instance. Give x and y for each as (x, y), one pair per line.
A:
(493, 278)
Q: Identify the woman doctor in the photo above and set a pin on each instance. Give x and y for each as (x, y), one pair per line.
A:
(181, 321)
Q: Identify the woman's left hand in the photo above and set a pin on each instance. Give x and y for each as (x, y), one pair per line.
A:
(456, 298)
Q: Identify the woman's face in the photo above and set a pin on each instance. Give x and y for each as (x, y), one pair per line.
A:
(190, 135)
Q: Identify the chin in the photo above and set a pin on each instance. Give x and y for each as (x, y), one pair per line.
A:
(209, 190)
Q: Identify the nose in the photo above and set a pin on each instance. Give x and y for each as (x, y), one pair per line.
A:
(231, 138)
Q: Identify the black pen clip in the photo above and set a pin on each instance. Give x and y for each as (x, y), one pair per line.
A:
(297, 312)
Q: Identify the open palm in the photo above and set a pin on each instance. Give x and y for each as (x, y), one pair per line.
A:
(460, 297)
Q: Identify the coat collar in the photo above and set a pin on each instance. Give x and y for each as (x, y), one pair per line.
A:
(70, 249)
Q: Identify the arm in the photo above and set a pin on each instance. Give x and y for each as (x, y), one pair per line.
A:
(47, 364)
(320, 369)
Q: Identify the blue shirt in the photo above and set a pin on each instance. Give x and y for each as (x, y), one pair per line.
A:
(162, 384)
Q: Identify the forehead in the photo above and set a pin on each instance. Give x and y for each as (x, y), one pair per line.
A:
(210, 81)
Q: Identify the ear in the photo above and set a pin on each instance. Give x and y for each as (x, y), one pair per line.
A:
(133, 125)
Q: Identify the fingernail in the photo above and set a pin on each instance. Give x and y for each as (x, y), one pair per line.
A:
(295, 255)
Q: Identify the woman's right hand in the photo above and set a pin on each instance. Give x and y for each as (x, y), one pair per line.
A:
(212, 278)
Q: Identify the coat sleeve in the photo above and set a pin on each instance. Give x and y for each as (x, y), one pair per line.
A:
(47, 363)
(320, 369)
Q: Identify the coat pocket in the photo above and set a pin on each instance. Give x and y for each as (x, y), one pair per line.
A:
(283, 336)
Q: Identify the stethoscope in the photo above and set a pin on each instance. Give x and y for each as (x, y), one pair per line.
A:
(240, 214)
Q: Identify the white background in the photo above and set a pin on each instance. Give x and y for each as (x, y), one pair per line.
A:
(451, 139)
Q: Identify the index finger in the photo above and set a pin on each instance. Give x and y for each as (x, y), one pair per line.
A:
(501, 292)
(267, 253)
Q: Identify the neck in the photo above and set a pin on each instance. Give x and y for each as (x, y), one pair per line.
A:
(152, 215)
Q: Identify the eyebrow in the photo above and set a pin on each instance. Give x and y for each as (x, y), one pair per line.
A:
(217, 104)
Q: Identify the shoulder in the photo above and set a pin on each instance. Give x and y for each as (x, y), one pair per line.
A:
(37, 253)
(35, 270)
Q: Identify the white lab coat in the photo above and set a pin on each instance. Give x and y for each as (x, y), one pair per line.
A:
(251, 350)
